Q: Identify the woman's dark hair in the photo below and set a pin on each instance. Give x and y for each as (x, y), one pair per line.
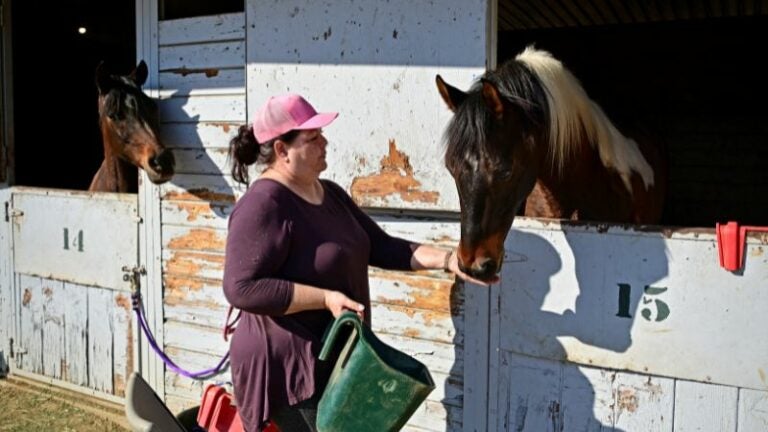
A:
(244, 150)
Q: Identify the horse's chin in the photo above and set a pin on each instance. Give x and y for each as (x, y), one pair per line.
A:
(485, 276)
(158, 178)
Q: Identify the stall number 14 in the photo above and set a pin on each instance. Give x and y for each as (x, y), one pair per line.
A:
(74, 241)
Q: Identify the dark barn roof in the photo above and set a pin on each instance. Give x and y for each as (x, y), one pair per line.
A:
(543, 14)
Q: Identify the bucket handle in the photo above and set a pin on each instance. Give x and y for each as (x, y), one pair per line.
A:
(345, 318)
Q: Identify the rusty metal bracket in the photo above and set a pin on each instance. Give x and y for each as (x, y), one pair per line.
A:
(133, 275)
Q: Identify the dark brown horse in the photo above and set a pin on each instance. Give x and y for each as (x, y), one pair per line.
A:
(129, 124)
(526, 139)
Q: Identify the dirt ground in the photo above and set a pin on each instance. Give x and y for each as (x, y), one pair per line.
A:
(37, 408)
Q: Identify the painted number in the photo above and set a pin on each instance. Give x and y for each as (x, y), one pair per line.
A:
(74, 242)
(658, 312)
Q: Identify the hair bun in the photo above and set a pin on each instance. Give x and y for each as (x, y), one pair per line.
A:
(245, 147)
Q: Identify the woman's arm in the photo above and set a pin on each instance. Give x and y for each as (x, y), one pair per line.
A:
(306, 297)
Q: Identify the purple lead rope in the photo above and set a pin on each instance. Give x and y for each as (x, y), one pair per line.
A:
(136, 300)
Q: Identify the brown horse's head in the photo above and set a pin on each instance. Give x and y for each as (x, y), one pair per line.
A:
(493, 157)
(531, 121)
(130, 124)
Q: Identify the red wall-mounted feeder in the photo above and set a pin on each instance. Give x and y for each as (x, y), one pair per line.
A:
(730, 243)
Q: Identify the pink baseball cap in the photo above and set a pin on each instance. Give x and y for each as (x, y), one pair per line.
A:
(285, 113)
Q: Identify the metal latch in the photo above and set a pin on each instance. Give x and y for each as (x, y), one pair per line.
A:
(133, 275)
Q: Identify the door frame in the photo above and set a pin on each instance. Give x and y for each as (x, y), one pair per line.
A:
(6, 96)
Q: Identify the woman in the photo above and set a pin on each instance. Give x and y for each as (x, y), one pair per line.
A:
(297, 256)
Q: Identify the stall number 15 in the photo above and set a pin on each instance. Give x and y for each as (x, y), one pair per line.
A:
(653, 308)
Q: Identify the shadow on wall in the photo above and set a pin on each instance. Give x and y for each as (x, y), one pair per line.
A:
(201, 188)
(569, 295)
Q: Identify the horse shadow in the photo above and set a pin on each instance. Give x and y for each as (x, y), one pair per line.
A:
(200, 188)
(551, 329)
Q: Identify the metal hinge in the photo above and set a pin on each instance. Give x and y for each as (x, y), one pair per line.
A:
(11, 212)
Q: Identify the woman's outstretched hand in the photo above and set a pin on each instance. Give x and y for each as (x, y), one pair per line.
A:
(453, 267)
(338, 303)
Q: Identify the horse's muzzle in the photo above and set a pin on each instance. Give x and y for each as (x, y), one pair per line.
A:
(161, 167)
(483, 268)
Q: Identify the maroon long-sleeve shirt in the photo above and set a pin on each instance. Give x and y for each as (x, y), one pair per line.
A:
(276, 239)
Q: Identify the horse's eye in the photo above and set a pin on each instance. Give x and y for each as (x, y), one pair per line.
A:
(505, 175)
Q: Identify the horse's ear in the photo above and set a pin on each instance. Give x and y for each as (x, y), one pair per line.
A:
(452, 96)
(492, 99)
(139, 75)
(104, 80)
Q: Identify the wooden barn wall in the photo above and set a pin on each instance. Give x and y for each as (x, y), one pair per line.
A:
(611, 328)
(374, 62)
(202, 84)
(202, 89)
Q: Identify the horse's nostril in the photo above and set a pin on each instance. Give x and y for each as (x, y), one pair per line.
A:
(485, 266)
(163, 162)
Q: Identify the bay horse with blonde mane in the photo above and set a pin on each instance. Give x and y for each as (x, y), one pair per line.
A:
(129, 125)
(526, 139)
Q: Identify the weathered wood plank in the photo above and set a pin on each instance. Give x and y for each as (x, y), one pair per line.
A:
(416, 291)
(529, 394)
(206, 161)
(206, 188)
(194, 301)
(434, 416)
(201, 29)
(192, 361)
(209, 57)
(194, 109)
(122, 335)
(196, 214)
(203, 265)
(198, 135)
(643, 402)
(31, 302)
(586, 402)
(439, 357)
(182, 238)
(75, 310)
(190, 337)
(704, 407)
(419, 324)
(100, 340)
(753, 411)
(202, 82)
(54, 323)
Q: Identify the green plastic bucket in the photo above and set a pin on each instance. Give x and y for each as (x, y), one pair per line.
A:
(373, 387)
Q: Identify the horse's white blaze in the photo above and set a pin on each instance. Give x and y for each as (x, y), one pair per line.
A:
(571, 110)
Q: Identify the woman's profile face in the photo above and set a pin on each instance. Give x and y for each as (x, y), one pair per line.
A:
(307, 151)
